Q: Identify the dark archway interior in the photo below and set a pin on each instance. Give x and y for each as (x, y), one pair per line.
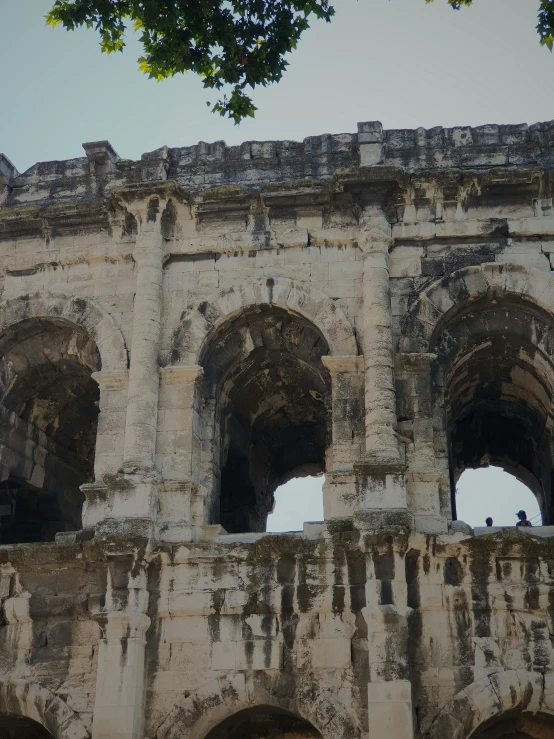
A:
(15, 727)
(496, 359)
(270, 394)
(48, 419)
(264, 722)
(518, 726)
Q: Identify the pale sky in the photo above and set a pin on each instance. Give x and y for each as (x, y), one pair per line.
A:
(402, 62)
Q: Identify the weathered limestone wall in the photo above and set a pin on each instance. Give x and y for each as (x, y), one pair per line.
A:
(182, 334)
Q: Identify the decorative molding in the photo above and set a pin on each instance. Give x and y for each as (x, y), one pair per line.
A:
(336, 365)
(107, 380)
(175, 375)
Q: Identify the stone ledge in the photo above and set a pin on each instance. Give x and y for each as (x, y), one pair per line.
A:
(542, 531)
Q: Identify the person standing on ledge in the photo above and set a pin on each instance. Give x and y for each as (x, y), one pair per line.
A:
(523, 519)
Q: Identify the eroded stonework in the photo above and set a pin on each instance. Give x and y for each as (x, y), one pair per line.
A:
(182, 334)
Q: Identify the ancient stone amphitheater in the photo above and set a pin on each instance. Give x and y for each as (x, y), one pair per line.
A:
(180, 335)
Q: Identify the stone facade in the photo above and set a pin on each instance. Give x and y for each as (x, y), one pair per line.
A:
(182, 334)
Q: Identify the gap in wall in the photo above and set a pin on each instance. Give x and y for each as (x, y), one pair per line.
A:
(491, 491)
(297, 501)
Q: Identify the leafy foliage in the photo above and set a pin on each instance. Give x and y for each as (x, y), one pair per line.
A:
(232, 44)
(545, 25)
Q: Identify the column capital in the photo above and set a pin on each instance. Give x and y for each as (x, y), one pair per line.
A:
(414, 361)
(147, 201)
(375, 233)
(111, 380)
(175, 375)
(124, 624)
(336, 365)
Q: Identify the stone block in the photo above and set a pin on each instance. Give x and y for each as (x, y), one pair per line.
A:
(390, 710)
(224, 655)
(370, 132)
(266, 654)
(331, 653)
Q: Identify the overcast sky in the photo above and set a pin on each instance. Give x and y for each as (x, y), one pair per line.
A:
(402, 62)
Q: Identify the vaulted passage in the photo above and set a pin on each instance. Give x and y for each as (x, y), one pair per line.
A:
(15, 727)
(268, 391)
(495, 366)
(264, 722)
(48, 419)
(518, 726)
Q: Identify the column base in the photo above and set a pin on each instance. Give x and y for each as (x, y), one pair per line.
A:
(381, 483)
(125, 528)
(136, 467)
(180, 511)
(391, 519)
(119, 496)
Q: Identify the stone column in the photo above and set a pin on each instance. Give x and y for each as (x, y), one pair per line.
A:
(380, 475)
(380, 401)
(119, 702)
(144, 379)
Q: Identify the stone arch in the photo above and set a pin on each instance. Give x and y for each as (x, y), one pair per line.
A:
(50, 347)
(491, 697)
(202, 320)
(204, 709)
(82, 312)
(32, 701)
(441, 299)
(489, 332)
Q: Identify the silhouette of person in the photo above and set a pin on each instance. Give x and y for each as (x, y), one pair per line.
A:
(488, 521)
(523, 519)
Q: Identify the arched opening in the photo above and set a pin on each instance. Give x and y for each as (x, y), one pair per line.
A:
(17, 727)
(48, 419)
(517, 726)
(267, 392)
(264, 722)
(491, 492)
(495, 372)
(297, 501)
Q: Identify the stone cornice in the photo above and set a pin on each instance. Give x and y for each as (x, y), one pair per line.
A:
(397, 192)
(137, 191)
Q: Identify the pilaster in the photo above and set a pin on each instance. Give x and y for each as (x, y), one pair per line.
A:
(386, 613)
(427, 476)
(119, 703)
(111, 421)
(178, 441)
(339, 489)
